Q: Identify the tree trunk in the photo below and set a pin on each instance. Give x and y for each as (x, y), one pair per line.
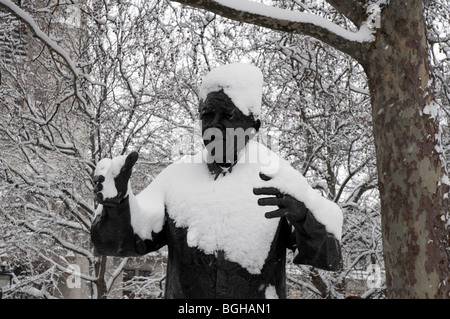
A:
(410, 167)
(100, 270)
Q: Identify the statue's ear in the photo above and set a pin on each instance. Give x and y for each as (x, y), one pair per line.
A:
(257, 125)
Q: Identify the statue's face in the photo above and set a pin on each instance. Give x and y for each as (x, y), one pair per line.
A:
(226, 130)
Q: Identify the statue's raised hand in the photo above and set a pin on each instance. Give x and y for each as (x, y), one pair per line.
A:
(111, 178)
(288, 206)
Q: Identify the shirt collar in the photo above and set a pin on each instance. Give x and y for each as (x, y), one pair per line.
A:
(217, 170)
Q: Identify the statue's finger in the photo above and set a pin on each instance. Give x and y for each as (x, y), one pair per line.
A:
(266, 191)
(269, 201)
(276, 213)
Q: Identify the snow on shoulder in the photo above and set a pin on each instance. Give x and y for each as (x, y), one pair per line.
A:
(242, 83)
(289, 181)
(223, 214)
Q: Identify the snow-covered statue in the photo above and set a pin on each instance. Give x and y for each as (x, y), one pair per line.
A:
(227, 214)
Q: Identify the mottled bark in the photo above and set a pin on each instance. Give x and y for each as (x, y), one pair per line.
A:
(409, 164)
(100, 269)
(354, 10)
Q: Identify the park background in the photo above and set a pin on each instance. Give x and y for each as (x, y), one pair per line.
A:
(83, 80)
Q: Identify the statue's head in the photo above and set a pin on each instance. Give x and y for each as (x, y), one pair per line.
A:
(230, 103)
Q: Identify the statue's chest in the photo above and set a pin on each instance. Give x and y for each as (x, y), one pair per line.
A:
(223, 215)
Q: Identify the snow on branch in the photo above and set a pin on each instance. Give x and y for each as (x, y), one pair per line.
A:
(278, 14)
(52, 45)
(116, 273)
(288, 21)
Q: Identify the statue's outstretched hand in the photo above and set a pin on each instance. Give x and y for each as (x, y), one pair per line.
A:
(288, 206)
(111, 178)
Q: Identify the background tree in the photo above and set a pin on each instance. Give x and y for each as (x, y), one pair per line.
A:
(106, 78)
(57, 122)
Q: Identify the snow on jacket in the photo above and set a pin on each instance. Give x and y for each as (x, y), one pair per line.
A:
(220, 245)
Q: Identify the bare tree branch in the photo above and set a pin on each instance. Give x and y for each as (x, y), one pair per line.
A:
(351, 43)
(38, 33)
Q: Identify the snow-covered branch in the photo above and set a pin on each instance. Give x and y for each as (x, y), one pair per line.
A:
(64, 243)
(51, 44)
(62, 268)
(289, 21)
(304, 285)
(116, 273)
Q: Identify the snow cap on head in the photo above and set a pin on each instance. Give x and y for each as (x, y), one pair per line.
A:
(241, 82)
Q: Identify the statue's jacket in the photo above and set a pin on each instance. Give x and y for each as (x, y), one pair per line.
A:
(220, 245)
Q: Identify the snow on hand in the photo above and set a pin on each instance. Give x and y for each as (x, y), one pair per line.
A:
(109, 168)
